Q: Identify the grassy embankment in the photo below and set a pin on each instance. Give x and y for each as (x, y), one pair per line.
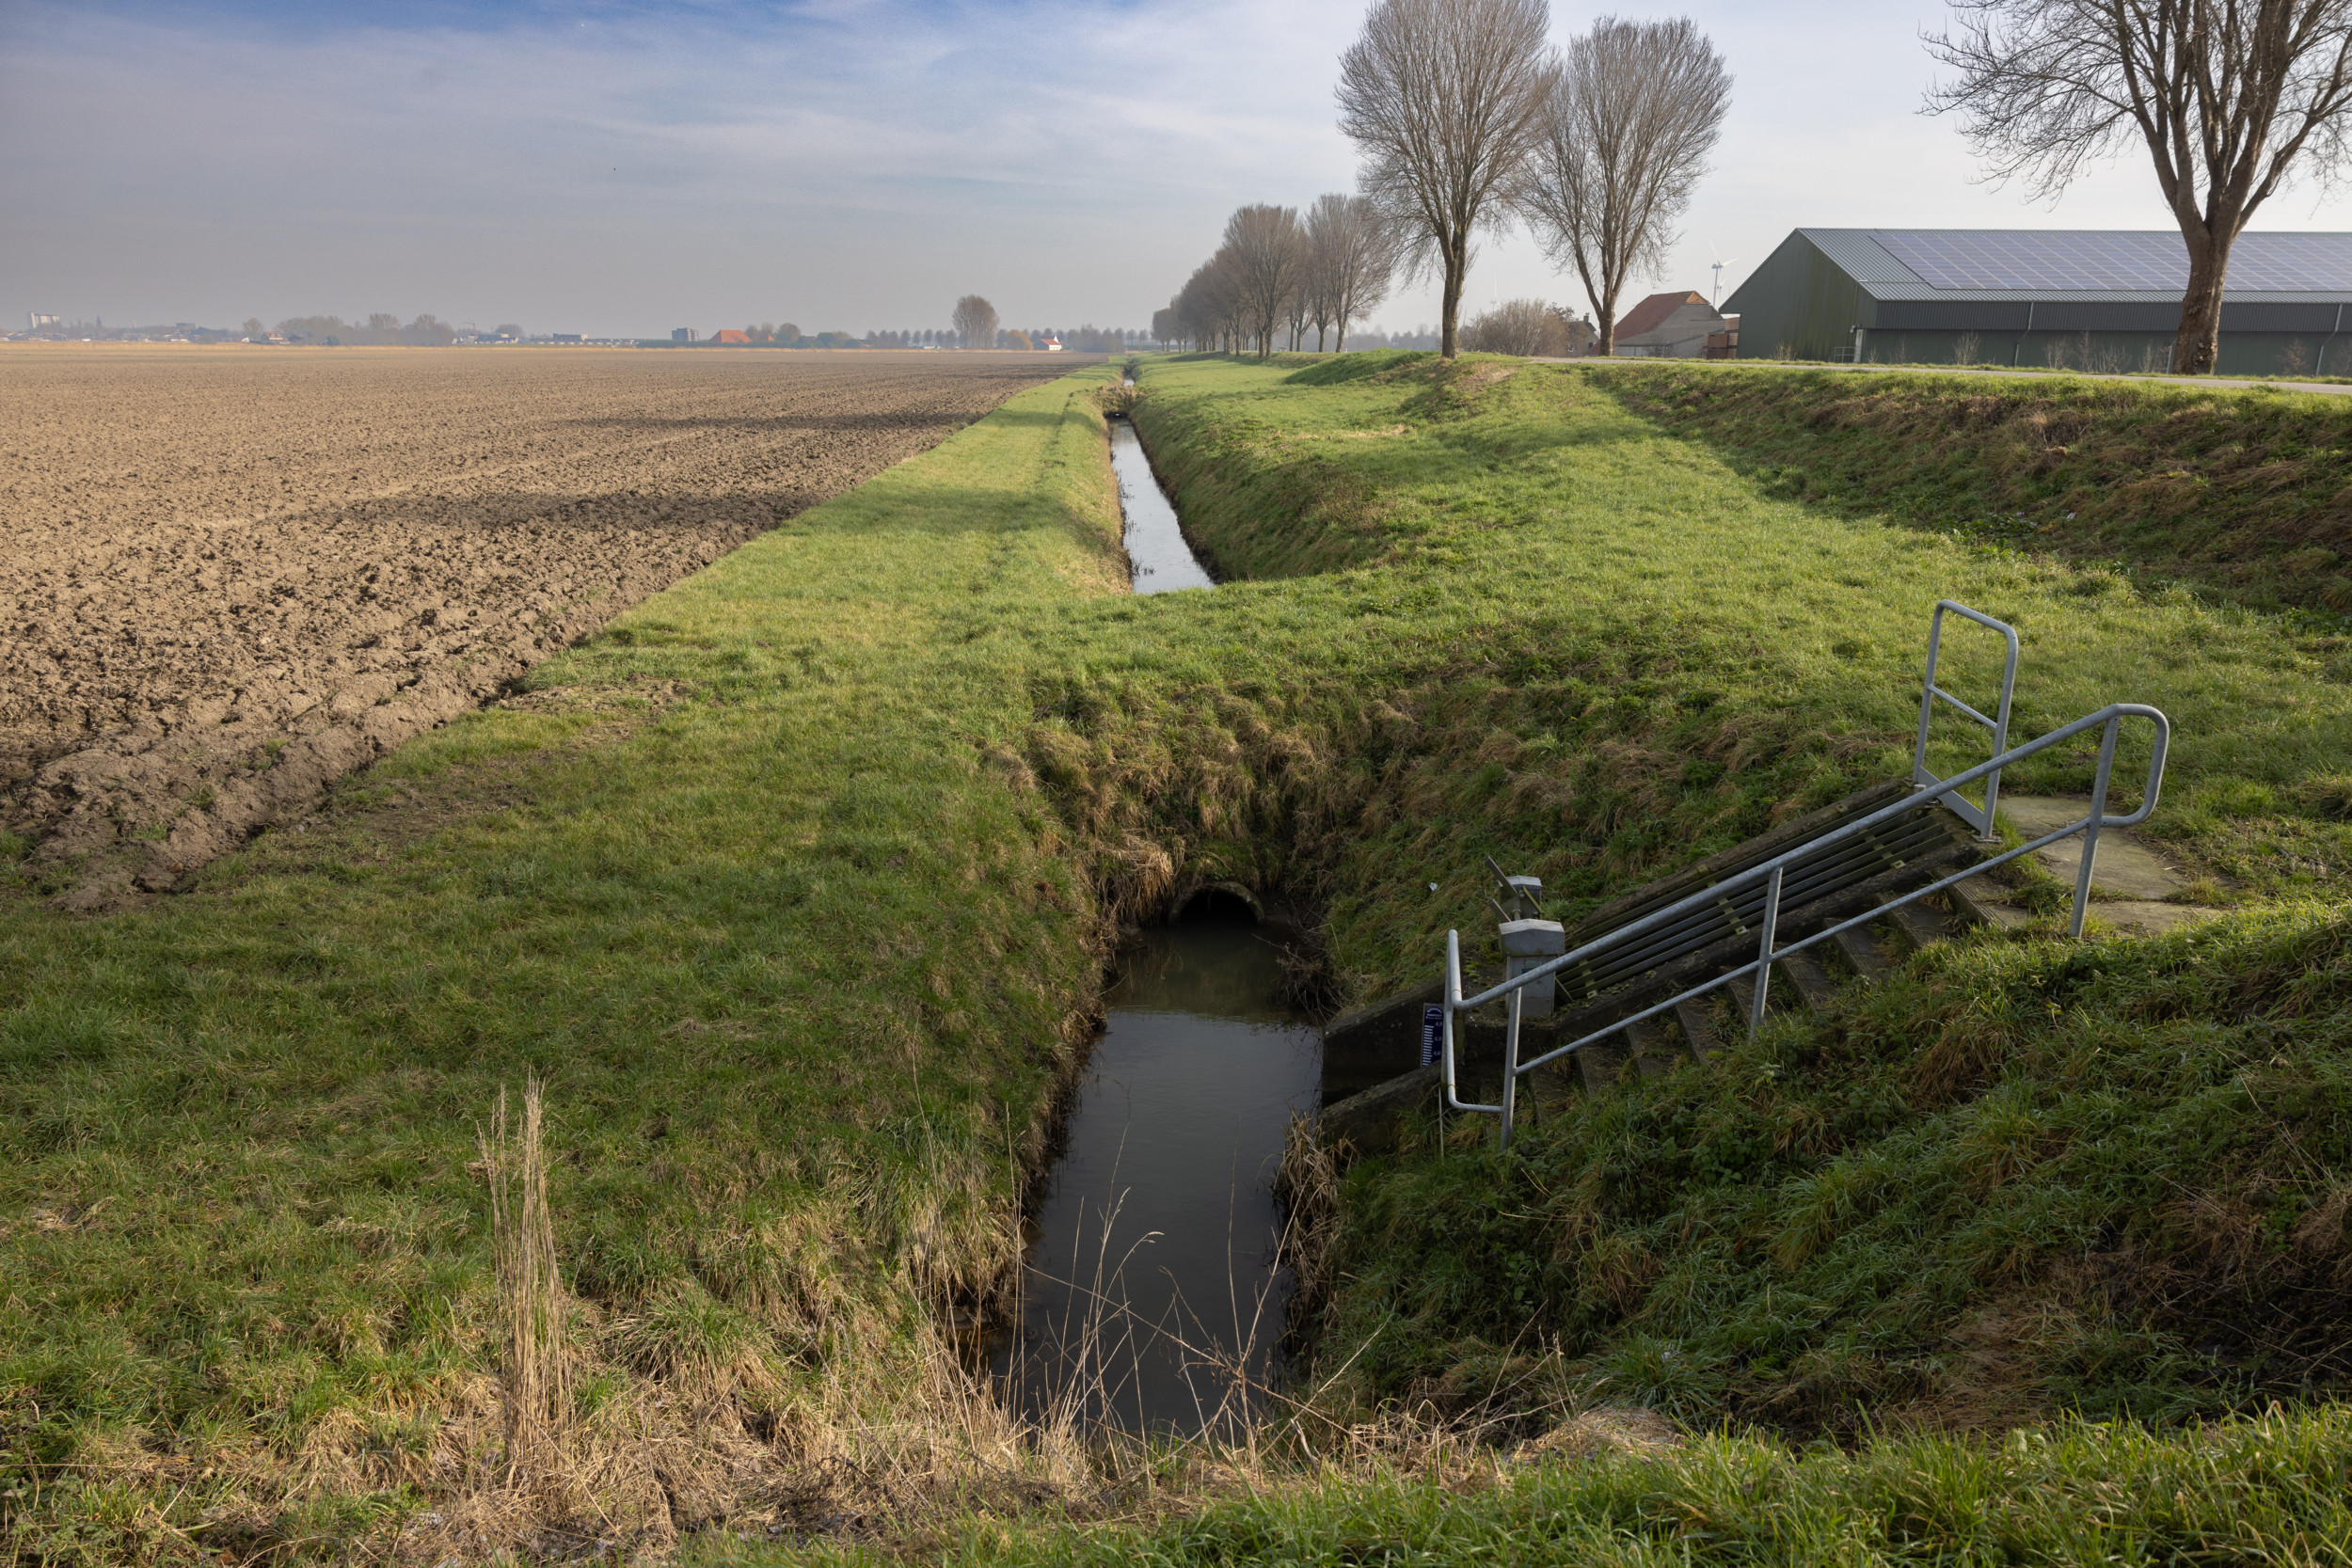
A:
(2264, 1490)
(1493, 609)
(2023, 1178)
(2249, 498)
(752, 882)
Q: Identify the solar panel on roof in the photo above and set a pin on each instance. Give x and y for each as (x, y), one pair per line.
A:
(2079, 259)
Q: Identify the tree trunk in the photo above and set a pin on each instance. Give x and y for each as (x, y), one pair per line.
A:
(1449, 306)
(2198, 343)
(1606, 344)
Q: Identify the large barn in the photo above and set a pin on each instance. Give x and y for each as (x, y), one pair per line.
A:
(2083, 299)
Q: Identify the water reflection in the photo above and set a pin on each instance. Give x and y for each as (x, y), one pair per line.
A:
(1152, 1276)
(1162, 562)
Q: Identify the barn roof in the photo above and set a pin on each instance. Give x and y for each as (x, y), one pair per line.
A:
(2080, 263)
(1655, 310)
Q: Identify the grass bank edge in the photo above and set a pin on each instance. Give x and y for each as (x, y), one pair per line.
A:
(2267, 1488)
(1384, 478)
(753, 878)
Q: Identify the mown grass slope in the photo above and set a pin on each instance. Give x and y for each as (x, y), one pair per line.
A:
(751, 881)
(793, 886)
(1561, 635)
(2246, 494)
(2017, 1179)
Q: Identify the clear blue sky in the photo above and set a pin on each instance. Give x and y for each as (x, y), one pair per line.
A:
(842, 164)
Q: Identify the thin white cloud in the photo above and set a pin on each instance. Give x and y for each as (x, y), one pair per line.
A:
(850, 163)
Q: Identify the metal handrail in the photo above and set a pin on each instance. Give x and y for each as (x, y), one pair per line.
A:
(1930, 691)
(2108, 720)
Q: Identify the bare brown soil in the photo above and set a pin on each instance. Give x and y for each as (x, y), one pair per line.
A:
(233, 574)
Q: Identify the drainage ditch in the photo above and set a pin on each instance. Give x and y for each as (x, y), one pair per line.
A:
(1160, 560)
(1152, 1296)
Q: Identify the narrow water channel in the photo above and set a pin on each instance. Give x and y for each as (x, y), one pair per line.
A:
(1151, 1278)
(1160, 560)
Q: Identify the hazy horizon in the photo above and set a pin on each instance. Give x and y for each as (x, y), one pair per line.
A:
(620, 170)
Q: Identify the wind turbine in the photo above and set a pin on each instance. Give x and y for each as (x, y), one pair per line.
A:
(1716, 303)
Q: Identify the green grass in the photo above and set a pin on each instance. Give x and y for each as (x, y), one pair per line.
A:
(751, 881)
(2267, 1490)
(803, 940)
(2246, 494)
(2017, 1179)
(1552, 631)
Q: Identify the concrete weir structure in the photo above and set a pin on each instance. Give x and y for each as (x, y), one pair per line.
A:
(2105, 300)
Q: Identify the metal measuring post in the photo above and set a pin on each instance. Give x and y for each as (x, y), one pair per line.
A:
(1526, 943)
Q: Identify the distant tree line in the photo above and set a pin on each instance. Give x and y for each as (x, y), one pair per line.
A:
(380, 329)
(1465, 119)
(1277, 273)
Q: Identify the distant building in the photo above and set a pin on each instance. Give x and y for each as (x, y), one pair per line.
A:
(1674, 325)
(43, 321)
(684, 335)
(2085, 300)
(563, 337)
(730, 335)
(1050, 345)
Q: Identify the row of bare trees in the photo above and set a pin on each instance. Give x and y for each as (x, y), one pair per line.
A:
(1277, 273)
(1466, 119)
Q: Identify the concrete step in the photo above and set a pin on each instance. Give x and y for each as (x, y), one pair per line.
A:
(1600, 1065)
(1743, 994)
(1922, 924)
(1699, 1028)
(1862, 950)
(1814, 983)
(1657, 1050)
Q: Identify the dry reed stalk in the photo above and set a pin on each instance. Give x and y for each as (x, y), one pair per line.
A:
(534, 1374)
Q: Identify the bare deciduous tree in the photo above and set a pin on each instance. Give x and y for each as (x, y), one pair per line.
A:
(1526, 327)
(975, 320)
(1350, 254)
(1269, 255)
(1208, 308)
(1444, 101)
(2227, 95)
(1636, 111)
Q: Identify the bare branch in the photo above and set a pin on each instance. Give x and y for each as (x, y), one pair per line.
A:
(2230, 98)
(1445, 102)
(1636, 111)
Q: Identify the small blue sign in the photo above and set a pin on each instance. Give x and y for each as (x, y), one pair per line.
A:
(1432, 1033)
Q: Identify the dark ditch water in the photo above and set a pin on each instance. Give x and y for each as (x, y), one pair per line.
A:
(1151, 1296)
(1151, 1279)
(1160, 558)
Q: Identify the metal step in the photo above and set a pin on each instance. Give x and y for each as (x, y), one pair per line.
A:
(1842, 880)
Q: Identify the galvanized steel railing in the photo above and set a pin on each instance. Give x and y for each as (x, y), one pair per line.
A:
(2107, 720)
(1929, 692)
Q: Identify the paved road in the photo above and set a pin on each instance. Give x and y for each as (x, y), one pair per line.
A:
(2327, 389)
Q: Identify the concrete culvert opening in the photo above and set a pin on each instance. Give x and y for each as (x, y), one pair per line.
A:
(1152, 1297)
(1219, 904)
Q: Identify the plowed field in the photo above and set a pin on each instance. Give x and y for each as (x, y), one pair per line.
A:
(232, 574)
